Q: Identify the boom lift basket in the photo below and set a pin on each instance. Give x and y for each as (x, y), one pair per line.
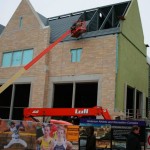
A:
(78, 28)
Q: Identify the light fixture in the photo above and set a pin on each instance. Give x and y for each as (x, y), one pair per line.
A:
(100, 15)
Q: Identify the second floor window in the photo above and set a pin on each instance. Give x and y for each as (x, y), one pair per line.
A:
(17, 58)
(76, 55)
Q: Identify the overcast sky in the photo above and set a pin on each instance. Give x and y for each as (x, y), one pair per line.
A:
(50, 8)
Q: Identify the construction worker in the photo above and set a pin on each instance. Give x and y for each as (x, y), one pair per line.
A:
(91, 139)
(133, 140)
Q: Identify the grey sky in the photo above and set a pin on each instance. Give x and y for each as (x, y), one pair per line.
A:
(50, 8)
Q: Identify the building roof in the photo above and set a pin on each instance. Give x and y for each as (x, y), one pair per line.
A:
(99, 21)
(43, 19)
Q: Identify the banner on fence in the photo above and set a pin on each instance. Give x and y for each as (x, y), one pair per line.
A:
(17, 134)
(110, 134)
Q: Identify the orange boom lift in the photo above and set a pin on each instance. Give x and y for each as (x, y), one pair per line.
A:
(75, 31)
(76, 112)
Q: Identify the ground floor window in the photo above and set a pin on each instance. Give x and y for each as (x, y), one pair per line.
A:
(13, 100)
(63, 95)
(134, 103)
(74, 95)
(78, 95)
(86, 95)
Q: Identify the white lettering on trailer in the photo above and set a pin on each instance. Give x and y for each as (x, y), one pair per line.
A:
(84, 111)
(35, 111)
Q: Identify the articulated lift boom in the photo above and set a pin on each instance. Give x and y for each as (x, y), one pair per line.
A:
(76, 32)
(79, 112)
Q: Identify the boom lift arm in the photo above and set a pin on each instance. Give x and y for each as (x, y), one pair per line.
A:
(76, 32)
(80, 112)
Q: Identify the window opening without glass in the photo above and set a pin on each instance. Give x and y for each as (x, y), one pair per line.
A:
(13, 100)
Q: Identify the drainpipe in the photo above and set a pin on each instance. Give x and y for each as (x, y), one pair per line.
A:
(148, 86)
(149, 92)
(116, 71)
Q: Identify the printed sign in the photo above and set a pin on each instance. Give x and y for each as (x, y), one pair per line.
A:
(15, 134)
(112, 134)
(73, 133)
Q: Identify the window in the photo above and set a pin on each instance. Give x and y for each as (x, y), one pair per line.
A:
(13, 101)
(27, 56)
(17, 58)
(84, 96)
(6, 60)
(20, 21)
(134, 103)
(74, 95)
(76, 55)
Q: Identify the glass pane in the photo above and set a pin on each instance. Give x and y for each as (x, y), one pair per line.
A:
(6, 62)
(27, 56)
(73, 55)
(17, 56)
(79, 51)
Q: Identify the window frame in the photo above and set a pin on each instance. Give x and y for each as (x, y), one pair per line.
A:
(21, 63)
(76, 54)
(3, 64)
(20, 21)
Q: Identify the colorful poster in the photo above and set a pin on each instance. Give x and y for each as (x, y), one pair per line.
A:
(29, 135)
(119, 135)
(112, 134)
(102, 133)
(53, 138)
(73, 133)
(17, 134)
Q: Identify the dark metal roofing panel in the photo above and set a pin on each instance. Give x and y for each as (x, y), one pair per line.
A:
(108, 23)
(60, 26)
